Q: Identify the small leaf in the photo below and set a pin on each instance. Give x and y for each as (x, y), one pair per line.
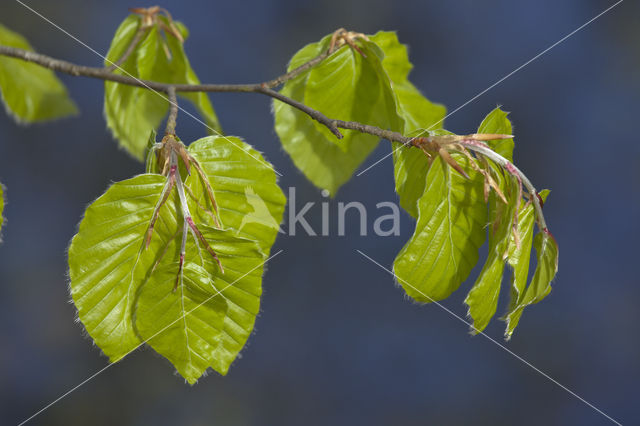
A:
(30, 92)
(450, 230)
(345, 86)
(151, 161)
(419, 114)
(132, 112)
(519, 257)
(497, 122)
(482, 300)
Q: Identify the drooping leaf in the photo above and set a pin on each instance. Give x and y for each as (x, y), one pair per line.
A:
(345, 86)
(482, 300)
(497, 122)
(132, 112)
(519, 258)
(124, 290)
(449, 231)
(419, 114)
(30, 92)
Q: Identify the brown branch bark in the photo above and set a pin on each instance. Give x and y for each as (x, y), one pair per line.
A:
(173, 112)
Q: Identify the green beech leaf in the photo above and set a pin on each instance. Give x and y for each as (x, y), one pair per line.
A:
(419, 114)
(449, 231)
(104, 259)
(245, 187)
(251, 203)
(519, 257)
(497, 122)
(132, 112)
(345, 86)
(124, 291)
(30, 92)
(482, 300)
(188, 326)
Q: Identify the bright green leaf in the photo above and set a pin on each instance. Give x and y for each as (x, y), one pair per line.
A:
(132, 112)
(482, 300)
(497, 122)
(30, 92)
(245, 187)
(251, 203)
(519, 258)
(450, 230)
(419, 114)
(188, 326)
(345, 86)
(105, 262)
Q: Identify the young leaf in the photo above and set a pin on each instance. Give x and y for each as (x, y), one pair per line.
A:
(450, 230)
(30, 92)
(251, 203)
(245, 187)
(519, 256)
(132, 112)
(346, 86)
(497, 122)
(410, 167)
(124, 270)
(106, 265)
(482, 300)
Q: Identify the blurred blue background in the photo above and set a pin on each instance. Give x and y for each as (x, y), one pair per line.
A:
(337, 342)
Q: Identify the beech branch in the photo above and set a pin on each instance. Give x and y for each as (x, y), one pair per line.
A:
(173, 112)
(265, 88)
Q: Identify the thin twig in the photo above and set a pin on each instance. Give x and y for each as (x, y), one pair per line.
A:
(173, 111)
(508, 165)
(262, 88)
(297, 71)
